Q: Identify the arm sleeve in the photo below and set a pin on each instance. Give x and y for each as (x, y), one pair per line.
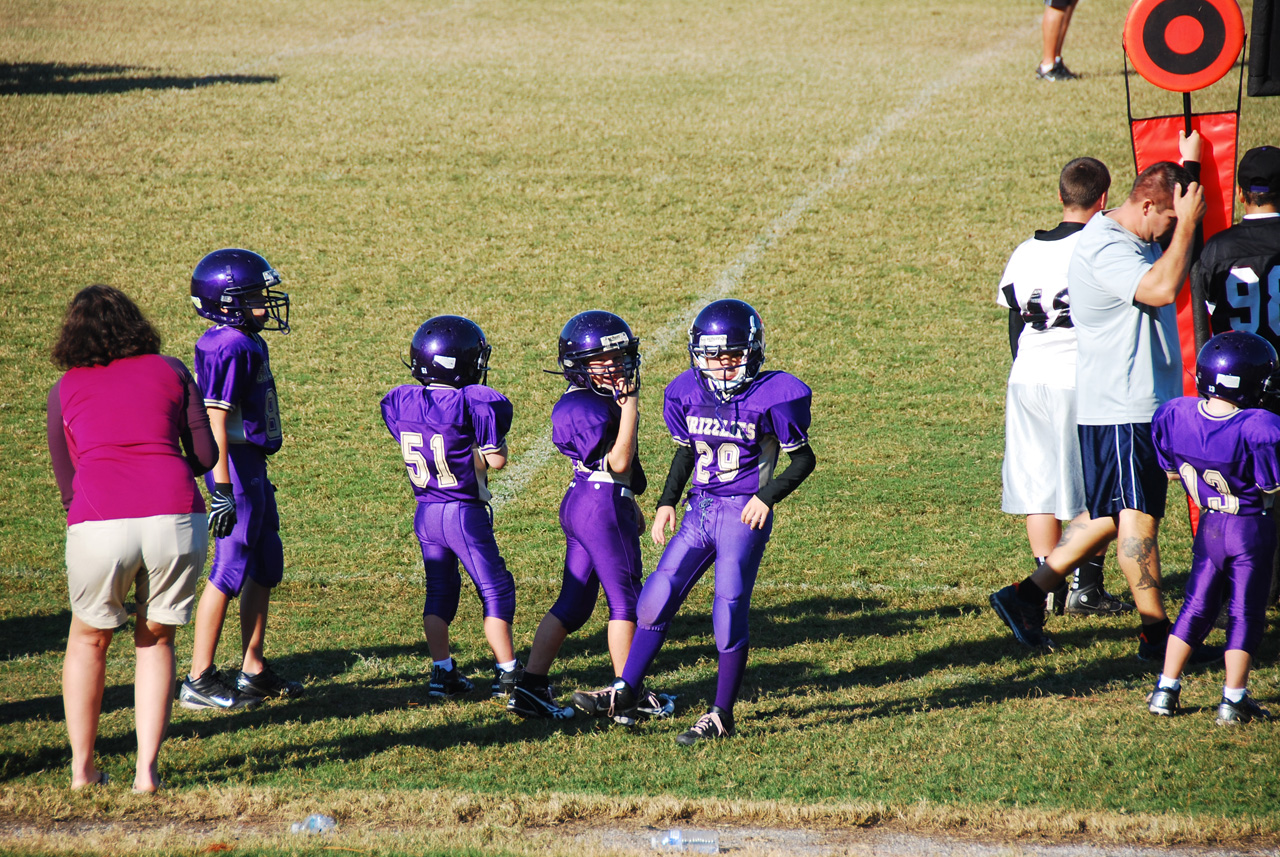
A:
(1160, 440)
(198, 445)
(223, 373)
(801, 464)
(490, 419)
(1015, 331)
(639, 482)
(1266, 456)
(389, 408)
(677, 476)
(790, 418)
(1008, 297)
(64, 469)
(1197, 245)
(1200, 304)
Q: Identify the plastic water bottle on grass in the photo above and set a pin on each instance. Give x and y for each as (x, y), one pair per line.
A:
(695, 841)
(314, 823)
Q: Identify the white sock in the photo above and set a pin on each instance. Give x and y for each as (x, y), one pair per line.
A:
(445, 665)
(1233, 694)
(507, 666)
(1166, 683)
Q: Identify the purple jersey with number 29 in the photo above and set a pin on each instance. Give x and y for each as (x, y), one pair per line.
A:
(736, 443)
(442, 431)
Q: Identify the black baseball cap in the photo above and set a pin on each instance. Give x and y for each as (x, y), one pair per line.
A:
(1260, 170)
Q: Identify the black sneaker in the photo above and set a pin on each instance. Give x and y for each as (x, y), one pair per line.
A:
(1164, 701)
(1244, 711)
(1095, 601)
(211, 690)
(617, 700)
(1026, 621)
(537, 702)
(266, 684)
(448, 683)
(716, 723)
(505, 681)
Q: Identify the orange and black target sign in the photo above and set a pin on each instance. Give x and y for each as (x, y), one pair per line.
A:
(1183, 45)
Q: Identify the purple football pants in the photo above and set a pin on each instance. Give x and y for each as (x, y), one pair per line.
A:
(253, 549)
(1232, 560)
(711, 531)
(602, 549)
(450, 532)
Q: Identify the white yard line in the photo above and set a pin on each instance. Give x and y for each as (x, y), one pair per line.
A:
(521, 472)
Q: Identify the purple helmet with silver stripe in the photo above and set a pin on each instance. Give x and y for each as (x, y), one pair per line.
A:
(726, 327)
(229, 285)
(592, 336)
(1235, 366)
(449, 349)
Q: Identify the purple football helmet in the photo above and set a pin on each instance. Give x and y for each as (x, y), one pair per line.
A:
(593, 335)
(1235, 366)
(229, 284)
(449, 349)
(726, 327)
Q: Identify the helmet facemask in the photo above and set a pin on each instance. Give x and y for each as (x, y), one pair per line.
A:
(603, 339)
(273, 302)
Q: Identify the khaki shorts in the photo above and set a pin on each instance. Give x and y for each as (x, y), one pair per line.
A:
(161, 557)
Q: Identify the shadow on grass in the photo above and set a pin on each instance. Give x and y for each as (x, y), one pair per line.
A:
(34, 634)
(394, 686)
(72, 79)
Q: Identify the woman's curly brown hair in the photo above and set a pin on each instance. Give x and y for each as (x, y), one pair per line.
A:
(102, 325)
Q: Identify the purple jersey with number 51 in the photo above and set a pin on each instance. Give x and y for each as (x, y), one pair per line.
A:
(1227, 463)
(443, 432)
(233, 371)
(736, 443)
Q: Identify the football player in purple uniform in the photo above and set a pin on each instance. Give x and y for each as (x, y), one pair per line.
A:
(729, 421)
(1238, 273)
(452, 430)
(1226, 450)
(594, 424)
(237, 290)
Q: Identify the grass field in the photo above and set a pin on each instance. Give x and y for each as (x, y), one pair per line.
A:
(857, 171)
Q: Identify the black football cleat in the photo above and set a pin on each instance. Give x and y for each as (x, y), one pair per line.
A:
(715, 724)
(537, 703)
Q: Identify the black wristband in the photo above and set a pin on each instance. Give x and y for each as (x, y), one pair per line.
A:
(222, 488)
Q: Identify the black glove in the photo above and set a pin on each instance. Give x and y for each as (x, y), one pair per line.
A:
(222, 510)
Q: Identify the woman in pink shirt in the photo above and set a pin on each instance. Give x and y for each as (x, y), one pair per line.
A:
(128, 434)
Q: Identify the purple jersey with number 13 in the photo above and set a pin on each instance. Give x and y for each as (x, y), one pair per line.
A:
(1227, 463)
(440, 429)
(736, 443)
